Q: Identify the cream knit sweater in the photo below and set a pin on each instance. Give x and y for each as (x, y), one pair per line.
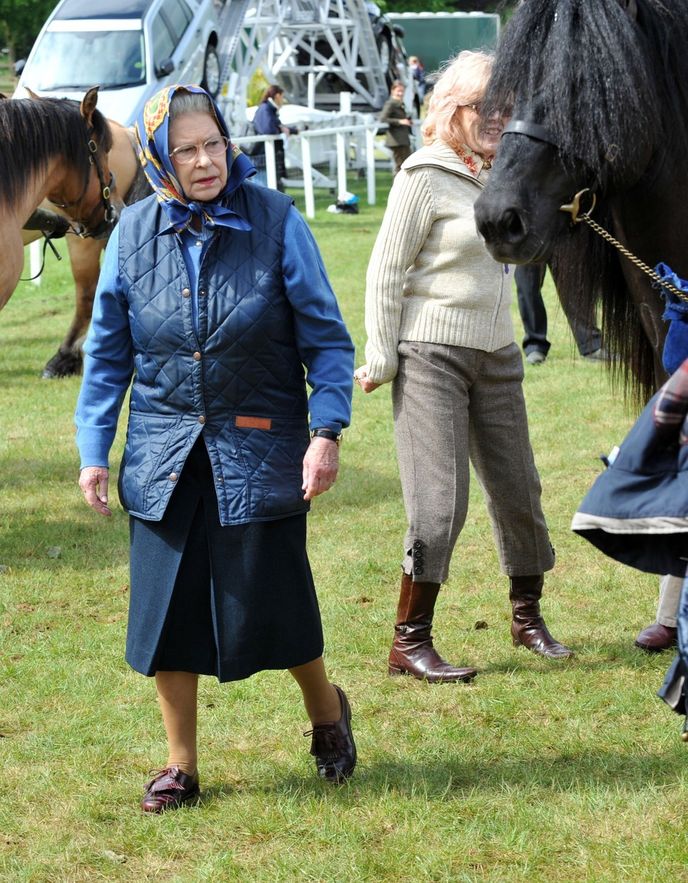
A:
(430, 278)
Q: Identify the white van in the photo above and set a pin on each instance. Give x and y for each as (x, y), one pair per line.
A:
(130, 48)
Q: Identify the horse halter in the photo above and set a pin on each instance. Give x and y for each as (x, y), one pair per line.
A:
(580, 214)
(541, 133)
(109, 213)
(530, 130)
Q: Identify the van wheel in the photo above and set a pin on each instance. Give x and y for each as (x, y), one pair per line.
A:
(211, 71)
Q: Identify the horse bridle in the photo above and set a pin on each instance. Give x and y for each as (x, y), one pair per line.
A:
(109, 215)
(531, 130)
(540, 133)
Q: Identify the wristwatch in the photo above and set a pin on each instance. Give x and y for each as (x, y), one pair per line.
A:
(327, 433)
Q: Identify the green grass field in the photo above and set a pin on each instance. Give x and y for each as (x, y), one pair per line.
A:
(537, 771)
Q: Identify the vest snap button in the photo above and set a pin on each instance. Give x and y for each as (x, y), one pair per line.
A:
(197, 356)
(173, 476)
(186, 292)
(201, 419)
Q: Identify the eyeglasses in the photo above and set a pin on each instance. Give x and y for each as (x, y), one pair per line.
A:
(212, 147)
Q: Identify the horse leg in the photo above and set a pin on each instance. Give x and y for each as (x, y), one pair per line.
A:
(84, 255)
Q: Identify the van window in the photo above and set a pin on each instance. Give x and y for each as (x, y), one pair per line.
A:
(163, 42)
(178, 15)
(81, 59)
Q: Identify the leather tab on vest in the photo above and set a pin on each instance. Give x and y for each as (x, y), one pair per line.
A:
(253, 422)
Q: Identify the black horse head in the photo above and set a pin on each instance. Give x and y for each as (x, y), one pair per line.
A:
(597, 94)
(598, 91)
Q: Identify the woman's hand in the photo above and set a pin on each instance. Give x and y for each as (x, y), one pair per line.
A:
(93, 481)
(320, 467)
(361, 378)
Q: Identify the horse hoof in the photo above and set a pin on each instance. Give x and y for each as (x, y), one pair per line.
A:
(62, 365)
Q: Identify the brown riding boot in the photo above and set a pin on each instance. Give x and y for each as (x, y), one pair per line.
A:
(412, 651)
(657, 637)
(528, 628)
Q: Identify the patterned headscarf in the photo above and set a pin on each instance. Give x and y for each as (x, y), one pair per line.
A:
(152, 135)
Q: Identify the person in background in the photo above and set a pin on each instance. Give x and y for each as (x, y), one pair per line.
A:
(213, 297)
(267, 122)
(531, 307)
(417, 71)
(398, 121)
(439, 329)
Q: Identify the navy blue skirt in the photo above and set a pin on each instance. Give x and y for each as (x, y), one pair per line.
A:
(223, 601)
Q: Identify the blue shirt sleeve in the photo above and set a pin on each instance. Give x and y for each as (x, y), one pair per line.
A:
(323, 342)
(108, 364)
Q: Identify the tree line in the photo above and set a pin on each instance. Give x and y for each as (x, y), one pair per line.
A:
(20, 22)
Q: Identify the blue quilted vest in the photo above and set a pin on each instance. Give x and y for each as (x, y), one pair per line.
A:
(240, 381)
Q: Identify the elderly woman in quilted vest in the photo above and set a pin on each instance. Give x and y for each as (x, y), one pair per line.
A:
(439, 328)
(214, 299)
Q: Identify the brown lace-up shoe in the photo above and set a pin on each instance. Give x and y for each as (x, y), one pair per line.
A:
(333, 745)
(170, 788)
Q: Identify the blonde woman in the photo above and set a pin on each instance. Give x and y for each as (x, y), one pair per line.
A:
(439, 329)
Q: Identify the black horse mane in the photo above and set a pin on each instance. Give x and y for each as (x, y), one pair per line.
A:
(32, 131)
(604, 86)
(600, 81)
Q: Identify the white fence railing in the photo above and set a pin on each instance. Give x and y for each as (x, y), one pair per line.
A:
(342, 136)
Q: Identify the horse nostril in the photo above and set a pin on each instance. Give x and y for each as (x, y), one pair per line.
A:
(486, 230)
(512, 225)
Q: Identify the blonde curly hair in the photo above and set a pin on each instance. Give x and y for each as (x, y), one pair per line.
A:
(462, 82)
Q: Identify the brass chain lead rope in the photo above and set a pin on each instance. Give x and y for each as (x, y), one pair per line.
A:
(574, 209)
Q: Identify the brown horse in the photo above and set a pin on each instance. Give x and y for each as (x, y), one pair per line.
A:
(129, 185)
(51, 149)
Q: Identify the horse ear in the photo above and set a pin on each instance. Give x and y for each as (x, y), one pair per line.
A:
(88, 104)
(32, 95)
(3, 97)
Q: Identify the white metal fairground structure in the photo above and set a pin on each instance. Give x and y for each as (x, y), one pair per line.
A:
(314, 49)
(335, 59)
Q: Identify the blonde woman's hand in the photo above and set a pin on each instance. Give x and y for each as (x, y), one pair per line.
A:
(361, 378)
(93, 481)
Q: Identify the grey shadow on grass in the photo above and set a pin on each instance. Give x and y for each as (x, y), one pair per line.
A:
(24, 372)
(598, 657)
(28, 542)
(453, 776)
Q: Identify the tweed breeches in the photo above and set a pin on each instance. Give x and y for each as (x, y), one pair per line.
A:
(455, 406)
